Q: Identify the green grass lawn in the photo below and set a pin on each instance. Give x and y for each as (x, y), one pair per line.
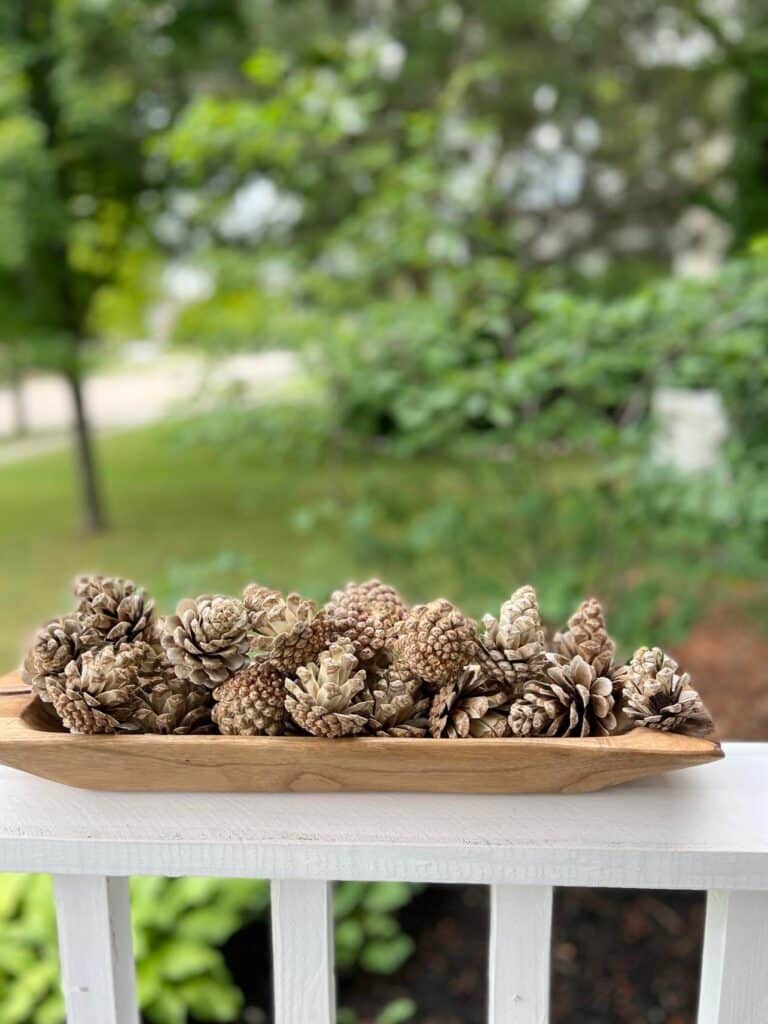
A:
(190, 515)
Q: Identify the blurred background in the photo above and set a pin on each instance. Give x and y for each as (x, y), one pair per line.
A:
(461, 294)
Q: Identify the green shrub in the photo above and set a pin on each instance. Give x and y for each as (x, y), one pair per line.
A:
(178, 926)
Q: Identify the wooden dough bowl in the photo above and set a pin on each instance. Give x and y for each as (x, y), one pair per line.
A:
(31, 740)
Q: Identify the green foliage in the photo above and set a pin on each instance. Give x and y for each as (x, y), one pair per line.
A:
(178, 926)
(367, 931)
(29, 971)
(397, 1012)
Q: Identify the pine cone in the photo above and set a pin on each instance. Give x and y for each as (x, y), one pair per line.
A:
(588, 637)
(54, 646)
(528, 719)
(399, 704)
(206, 641)
(112, 610)
(100, 693)
(322, 700)
(252, 702)
(173, 706)
(472, 706)
(435, 642)
(512, 648)
(573, 701)
(368, 636)
(383, 603)
(658, 697)
(286, 630)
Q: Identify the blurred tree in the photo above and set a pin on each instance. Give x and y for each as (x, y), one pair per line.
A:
(82, 87)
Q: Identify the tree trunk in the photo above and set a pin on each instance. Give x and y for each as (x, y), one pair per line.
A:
(16, 387)
(93, 513)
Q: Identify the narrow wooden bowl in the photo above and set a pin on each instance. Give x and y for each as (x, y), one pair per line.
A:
(31, 740)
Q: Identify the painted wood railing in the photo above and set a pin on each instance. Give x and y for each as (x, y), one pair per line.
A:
(704, 828)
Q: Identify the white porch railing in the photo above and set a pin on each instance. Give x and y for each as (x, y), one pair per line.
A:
(705, 828)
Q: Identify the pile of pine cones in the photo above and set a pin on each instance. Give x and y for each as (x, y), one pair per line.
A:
(364, 664)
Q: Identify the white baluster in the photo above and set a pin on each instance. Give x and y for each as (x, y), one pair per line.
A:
(93, 914)
(519, 954)
(734, 974)
(302, 952)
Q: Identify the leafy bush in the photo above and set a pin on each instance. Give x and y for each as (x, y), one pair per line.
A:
(178, 926)
(177, 923)
(367, 932)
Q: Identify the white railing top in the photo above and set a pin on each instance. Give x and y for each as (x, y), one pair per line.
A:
(702, 828)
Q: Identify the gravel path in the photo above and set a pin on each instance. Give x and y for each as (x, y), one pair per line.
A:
(134, 395)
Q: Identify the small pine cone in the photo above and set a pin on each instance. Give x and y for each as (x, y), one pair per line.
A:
(327, 698)
(472, 706)
(100, 693)
(287, 630)
(400, 705)
(54, 646)
(368, 614)
(174, 707)
(573, 701)
(252, 702)
(254, 595)
(527, 719)
(657, 696)
(368, 637)
(112, 610)
(206, 641)
(587, 636)
(512, 648)
(383, 602)
(435, 642)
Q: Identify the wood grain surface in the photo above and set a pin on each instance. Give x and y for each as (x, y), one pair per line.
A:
(31, 741)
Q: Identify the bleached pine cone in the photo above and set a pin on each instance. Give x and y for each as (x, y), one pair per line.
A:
(327, 698)
(399, 703)
(174, 707)
(472, 706)
(573, 700)
(112, 610)
(435, 642)
(512, 648)
(252, 702)
(287, 630)
(657, 696)
(55, 644)
(100, 693)
(587, 636)
(206, 641)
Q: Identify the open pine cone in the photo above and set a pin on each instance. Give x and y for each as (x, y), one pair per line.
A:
(399, 704)
(99, 693)
(473, 706)
(173, 706)
(573, 700)
(287, 630)
(435, 642)
(252, 702)
(657, 696)
(206, 641)
(54, 646)
(327, 698)
(512, 648)
(112, 610)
